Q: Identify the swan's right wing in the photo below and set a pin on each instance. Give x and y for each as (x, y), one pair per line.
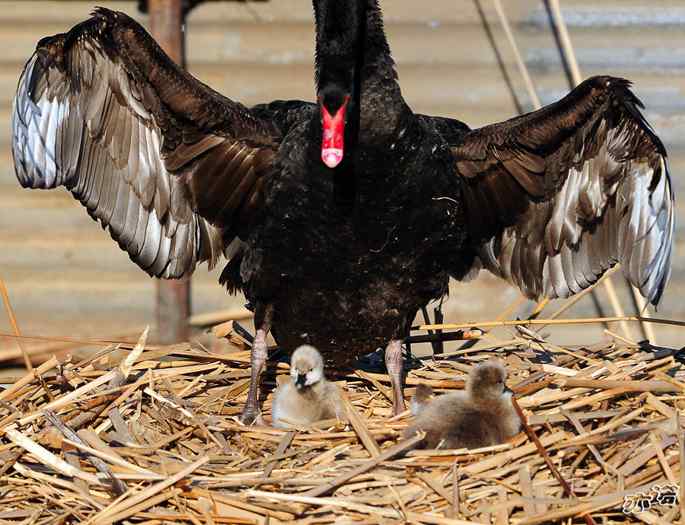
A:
(170, 167)
(556, 197)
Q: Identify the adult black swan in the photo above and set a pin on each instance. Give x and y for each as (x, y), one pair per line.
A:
(340, 219)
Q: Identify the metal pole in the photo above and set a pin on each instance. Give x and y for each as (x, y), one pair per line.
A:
(498, 57)
(173, 296)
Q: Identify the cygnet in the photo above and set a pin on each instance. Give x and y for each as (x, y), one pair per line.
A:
(307, 397)
(480, 416)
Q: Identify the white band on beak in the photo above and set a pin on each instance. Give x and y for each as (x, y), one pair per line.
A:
(331, 156)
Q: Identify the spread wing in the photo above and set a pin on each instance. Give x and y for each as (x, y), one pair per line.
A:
(556, 197)
(171, 168)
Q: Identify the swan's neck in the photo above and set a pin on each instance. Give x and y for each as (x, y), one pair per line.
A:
(381, 102)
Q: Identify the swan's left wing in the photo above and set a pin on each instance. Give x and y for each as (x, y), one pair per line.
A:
(556, 197)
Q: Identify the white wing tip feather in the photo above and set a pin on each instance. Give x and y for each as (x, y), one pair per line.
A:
(34, 130)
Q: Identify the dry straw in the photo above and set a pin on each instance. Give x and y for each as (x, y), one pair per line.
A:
(155, 438)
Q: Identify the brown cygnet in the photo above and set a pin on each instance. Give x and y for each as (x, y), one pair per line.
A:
(307, 397)
(479, 416)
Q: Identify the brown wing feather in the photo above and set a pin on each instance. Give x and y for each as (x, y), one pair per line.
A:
(556, 197)
(165, 163)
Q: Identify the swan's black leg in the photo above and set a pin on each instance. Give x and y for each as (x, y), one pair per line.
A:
(394, 364)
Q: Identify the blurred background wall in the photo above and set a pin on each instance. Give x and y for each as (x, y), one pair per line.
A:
(66, 276)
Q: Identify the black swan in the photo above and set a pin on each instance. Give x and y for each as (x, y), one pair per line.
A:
(340, 218)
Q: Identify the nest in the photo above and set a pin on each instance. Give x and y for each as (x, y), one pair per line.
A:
(153, 436)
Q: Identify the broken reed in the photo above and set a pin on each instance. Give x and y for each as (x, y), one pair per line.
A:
(156, 436)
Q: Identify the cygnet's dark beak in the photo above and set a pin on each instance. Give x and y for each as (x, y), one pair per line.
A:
(508, 390)
(300, 381)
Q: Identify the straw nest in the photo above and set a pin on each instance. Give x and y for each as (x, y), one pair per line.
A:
(153, 436)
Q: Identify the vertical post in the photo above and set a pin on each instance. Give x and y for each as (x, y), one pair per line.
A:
(173, 296)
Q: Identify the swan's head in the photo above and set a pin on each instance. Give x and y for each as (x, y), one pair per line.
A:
(306, 367)
(339, 52)
(487, 382)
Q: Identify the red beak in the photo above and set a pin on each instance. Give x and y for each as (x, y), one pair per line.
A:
(332, 142)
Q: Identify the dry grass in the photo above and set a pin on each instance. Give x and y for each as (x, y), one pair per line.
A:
(154, 438)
